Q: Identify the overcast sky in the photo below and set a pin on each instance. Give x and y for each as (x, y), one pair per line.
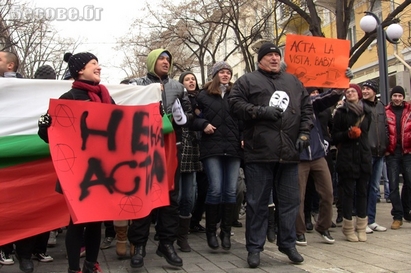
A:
(113, 19)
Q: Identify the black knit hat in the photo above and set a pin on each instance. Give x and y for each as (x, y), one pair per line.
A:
(45, 72)
(78, 61)
(373, 85)
(312, 89)
(397, 89)
(184, 74)
(267, 48)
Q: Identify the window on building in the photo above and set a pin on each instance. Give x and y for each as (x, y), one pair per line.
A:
(326, 17)
(352, 17)
(409, 31)
(351, 35)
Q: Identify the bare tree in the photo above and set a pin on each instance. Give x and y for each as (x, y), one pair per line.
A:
(32, 38)
(196, 31)
(248, 21)
(182, 29)
(135, 47)
(192, 29)
(342, 10)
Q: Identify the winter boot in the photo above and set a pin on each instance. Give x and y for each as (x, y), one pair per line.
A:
(348, 230)
(226, 222)
(212, 218)
(361, 227)
(90, 267)
(121, 244)
(182, 233)
(271, 224)
(137, 254)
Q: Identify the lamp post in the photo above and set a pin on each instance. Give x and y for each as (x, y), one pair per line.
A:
(369, 23)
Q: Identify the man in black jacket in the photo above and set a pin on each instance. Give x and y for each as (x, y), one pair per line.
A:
(277, 113)
(378, 139)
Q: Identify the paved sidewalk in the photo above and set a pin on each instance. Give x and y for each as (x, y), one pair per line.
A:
(388, 251)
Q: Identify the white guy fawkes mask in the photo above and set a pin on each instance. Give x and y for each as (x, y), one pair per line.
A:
(280, 99)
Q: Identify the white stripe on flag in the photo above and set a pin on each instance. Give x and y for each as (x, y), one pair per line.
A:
(22, 101)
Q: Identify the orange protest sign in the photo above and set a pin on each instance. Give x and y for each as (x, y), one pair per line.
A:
(110, 159)
(317, 61)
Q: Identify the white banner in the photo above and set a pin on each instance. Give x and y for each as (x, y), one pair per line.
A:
(22, 101)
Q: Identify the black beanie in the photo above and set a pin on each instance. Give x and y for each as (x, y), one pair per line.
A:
(267, 48)
(78, 61)
(373, 85)
(185, 73)
(45, 72)
(312, 89)
(397, 89)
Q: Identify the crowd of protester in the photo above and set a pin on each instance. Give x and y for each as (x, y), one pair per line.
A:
(263, 143)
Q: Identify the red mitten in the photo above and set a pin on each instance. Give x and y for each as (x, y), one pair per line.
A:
(354, 132)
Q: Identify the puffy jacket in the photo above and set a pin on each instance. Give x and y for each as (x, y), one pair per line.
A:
(405, 128)
(354, 155)
(226, 139)
(265, 140)
(378, 133)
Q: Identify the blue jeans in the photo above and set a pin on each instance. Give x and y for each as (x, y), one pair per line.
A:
(374, 188)
(187, 194)
(397, 163)
(222, 173)
(384, 177)
(261, 179)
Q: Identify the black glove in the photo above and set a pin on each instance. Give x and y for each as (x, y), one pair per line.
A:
(44, 121)
(269, 112)
(303, 142)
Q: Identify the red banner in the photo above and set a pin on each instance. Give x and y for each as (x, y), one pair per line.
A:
(110, 159)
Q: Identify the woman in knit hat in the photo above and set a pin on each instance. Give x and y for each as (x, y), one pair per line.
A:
(85, 70)
(220, 153)
(350, 135)
(190, 165)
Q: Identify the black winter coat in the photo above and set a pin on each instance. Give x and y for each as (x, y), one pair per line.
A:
(226, 140)
(354, 155)
(265, 140)
(378, 133)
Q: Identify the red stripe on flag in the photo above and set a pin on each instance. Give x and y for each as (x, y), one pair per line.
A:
(29, 204)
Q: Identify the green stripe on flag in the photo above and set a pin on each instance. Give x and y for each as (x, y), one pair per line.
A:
(19, 149)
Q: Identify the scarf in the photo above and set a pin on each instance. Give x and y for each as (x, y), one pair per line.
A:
(223, 88)
(94, 91)
(357, 108)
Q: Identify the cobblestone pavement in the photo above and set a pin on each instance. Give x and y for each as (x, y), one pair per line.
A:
(383, 252)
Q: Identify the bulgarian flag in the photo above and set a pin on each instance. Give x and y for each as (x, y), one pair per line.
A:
(29, 204)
